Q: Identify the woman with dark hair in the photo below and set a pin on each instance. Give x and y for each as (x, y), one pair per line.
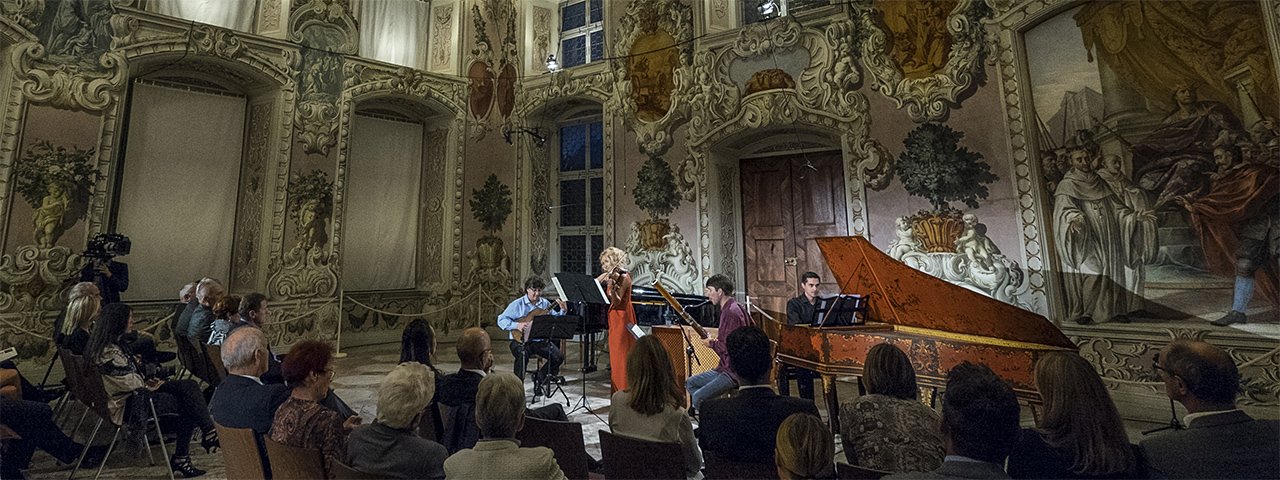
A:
(227, 312)
(303, 422)
(121, 376)
(652, 405)
(418, 345)
(888, 429)
(1079, 433)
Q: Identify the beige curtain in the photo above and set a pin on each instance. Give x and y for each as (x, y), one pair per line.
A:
(232, 14)
(395, 31)
(380, 218)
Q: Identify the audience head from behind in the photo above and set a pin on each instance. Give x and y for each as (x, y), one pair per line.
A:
(474, 349)
(244, 352)
(254, 310)
(1198, 375)
(979, 414)
(418, 343)
(805, 448)
(114, 321)
(650, 378)
(308, 368)
(84, 301)
(404, 394)
(500, 406)
(748, 349)
(1079, 416)
(187, 293)
(228, 308)
(209, 291)
(889, 372)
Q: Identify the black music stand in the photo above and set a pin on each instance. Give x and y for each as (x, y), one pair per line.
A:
(551, 328)
(579, 288)
(840, 311)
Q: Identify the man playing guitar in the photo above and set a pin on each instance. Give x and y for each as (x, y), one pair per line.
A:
(517, 318)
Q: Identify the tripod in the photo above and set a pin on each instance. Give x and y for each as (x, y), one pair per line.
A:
(1174, 424)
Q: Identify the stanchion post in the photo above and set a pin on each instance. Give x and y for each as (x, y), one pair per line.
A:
(338, 353)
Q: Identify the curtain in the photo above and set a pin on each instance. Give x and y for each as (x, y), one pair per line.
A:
(395, 31)
(178, 188)
(380, 231)
(232, 14)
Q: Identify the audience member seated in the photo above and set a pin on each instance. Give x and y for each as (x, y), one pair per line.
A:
(208, 292)
(388, 447)
(744, 427)
(500, 414)
(888, 429)
(242, 400)
(33, 422)
(418, 344)
(1221, 441)
(192, 303)
(227, 314)
(979, 425)
(301, 421)
(73, 326)
(652, 405)
(1080, 433)
(805, 448)
(255, 312)
(122, 377)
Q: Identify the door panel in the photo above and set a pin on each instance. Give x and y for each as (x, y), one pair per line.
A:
(820, 190)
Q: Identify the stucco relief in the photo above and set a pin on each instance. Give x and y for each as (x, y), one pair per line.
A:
(250, 206)
(441, 37)
(674, 264)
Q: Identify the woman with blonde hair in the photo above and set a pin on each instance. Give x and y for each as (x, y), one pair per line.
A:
(652, 406)
(805, 448)
(84, 302)
(1079, 433)
(616, 281)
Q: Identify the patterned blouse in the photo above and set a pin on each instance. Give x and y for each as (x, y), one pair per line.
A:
(307, 424)
(891, 434)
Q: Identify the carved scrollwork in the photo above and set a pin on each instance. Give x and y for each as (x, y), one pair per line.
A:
(35, 277)
(326, 24)
(67, 86)
(648, 19)
(23, 12)
(927, 98)
(674, 265)
(306, 273)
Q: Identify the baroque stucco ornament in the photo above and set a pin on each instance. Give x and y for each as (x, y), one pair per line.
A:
(928, 98)
(67, 85)
(654, 21)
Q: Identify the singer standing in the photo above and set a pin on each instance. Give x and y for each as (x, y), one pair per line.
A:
(617, 284)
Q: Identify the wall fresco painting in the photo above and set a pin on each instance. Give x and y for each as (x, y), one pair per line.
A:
(652, 70)
(1158, 150)
(919, 42)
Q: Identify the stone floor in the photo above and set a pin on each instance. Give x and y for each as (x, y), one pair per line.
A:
(358, 375)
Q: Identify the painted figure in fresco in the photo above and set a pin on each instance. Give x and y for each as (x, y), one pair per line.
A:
(1176, 158)
(920, 41)
(975, 245)
(48, 218)
(1238, 222)
(1086, 217)
(1137, 227)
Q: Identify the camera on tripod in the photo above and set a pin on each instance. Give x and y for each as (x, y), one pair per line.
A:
(105, 246)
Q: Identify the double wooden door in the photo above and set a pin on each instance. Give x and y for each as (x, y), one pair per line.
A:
(787, 202)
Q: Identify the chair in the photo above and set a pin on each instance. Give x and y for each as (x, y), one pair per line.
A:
(460, 429)
(214, 354)
(293, 463)
(239, 445)
(187, 356)
(717, 467)
(342, 471)
(845, 470)
(627, 457)
(563, 438)
(91, 392)
(200, 355)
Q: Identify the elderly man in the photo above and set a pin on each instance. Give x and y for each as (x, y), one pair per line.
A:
(389, 447)
(208, 292)
(500, 414)
(1221, 441)
(242, 400)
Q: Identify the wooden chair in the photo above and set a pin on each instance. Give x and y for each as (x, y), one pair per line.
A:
(626, 457)
(563, 438)
(214, 354)
(238, 446)
(187, 356)
(847, 471)
(293, 463)
(716, 467)
(90, 391)
(342, 471)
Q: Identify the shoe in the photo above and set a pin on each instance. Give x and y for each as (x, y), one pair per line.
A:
(183, 466)
(210, 441)
(1231, 317)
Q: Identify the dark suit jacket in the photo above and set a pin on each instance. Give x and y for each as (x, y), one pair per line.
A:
(459, 388)
(384, 451)
(744, 428)
(799, 311)
(954, 469)
(184, 319)
(201, 325)
(1224, 445)
(240, 402)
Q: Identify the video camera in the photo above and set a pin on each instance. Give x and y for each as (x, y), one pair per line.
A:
(107, 246)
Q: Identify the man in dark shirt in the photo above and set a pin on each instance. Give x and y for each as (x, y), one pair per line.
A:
(800, 311)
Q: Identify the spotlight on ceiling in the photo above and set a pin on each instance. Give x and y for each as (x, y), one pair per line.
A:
(552, 65)
(768, 9)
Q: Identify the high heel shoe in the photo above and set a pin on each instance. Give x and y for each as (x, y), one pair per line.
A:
(182, 465)
(210, 441)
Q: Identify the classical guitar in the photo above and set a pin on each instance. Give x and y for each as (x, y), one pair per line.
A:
(684, 316)
(523, 324)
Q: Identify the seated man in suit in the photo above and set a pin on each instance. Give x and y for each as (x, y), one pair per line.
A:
(242, 400)
(500, 414)
(208, 292)
(743, 428)
(389, 447)
(1221, 441)
(979, 425)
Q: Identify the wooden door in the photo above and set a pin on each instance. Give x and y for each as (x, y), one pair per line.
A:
(787, 202)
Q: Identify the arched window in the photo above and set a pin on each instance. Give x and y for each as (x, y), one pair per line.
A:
(581, 32)
(580, 194)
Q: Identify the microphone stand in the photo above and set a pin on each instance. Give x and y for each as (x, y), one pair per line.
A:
(1174, 424)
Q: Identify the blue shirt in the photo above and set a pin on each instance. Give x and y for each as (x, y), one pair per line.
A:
(517, 310)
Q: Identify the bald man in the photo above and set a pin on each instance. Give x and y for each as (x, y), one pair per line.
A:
(242, 400)
(1220, 440)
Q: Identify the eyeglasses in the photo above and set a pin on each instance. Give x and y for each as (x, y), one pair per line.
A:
(1155, 365)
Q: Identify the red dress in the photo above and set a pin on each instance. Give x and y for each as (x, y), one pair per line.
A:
(621, 318)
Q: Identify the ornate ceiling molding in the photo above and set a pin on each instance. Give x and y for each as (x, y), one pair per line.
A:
(928, 98)
(648, 19)
(368, 80)
(333, 15)
(67, 86)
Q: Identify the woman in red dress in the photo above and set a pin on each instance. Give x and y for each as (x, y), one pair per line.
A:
(617, 284)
